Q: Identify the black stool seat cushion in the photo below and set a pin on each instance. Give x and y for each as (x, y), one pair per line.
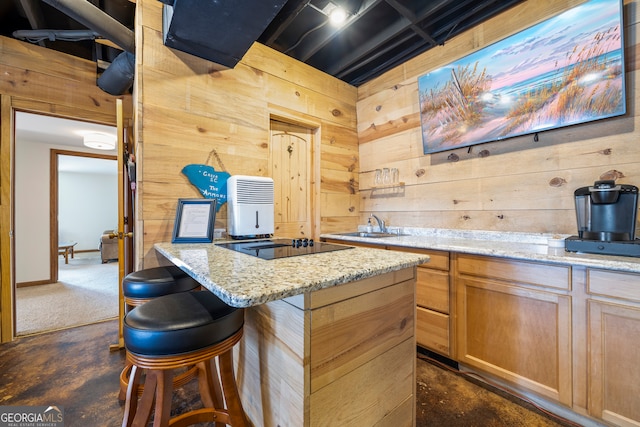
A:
(180, 323)
(156, 282)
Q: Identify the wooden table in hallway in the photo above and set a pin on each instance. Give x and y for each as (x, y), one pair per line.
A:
(66, 249)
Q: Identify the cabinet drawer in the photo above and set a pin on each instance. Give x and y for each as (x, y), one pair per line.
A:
(548, 275)
(614, 284)
(432, 289)
(439, 259)
(432, 331)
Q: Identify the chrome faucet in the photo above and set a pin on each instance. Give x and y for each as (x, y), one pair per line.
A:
(383, 228)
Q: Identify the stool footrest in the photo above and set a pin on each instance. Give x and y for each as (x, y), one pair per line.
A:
(178, 381)
(204, 415)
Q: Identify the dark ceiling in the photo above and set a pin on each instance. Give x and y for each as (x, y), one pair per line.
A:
(377, 36)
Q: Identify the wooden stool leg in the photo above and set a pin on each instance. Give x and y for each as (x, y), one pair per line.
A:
(164, 394)
(145, 404)
(209, 386)
(230, 389)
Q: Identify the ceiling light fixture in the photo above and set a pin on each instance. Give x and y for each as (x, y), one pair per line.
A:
(336, 14)
(100, 141)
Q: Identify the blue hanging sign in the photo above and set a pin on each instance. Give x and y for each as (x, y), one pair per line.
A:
(211, 184)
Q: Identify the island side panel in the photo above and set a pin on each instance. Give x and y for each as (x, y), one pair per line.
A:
(271, 366)
(362, 373)
(379, 393)
(349, 333)
(363, 353)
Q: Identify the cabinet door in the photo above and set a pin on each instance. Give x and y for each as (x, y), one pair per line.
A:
(614, 392)
(520, 334)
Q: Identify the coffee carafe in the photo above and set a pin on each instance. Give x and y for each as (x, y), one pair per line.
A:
(606, 215)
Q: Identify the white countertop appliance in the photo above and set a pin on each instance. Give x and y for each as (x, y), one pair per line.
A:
(250, 206)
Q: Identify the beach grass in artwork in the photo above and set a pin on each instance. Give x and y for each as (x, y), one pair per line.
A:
(563, 71)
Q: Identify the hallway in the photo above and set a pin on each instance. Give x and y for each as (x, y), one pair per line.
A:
(86, 292)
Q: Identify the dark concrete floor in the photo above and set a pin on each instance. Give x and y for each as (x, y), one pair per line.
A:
(74, 369)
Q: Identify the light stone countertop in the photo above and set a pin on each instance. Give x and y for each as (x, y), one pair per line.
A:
(525, 246)
(243, 280)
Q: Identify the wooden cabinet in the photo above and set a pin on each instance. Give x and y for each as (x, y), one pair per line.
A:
(514, 321)
(614, 334)
(434, 320)
(563, 333)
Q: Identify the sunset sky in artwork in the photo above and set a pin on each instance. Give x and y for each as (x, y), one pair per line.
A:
(541, 48)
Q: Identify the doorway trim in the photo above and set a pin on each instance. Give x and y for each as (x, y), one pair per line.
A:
(53, 201)
(9, 106)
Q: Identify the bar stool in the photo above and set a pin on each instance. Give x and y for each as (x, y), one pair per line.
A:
(174, 331)
(142, 286)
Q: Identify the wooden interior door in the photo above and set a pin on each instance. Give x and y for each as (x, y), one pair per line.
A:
(291, 170)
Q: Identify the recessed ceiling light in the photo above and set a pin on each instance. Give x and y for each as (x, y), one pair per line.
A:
(100, 141)
(337, 15)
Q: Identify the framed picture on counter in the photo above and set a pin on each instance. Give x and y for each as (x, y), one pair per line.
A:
(195, 220)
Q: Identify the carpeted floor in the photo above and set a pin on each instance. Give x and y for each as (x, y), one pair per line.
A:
(74, 369)
(87, 291)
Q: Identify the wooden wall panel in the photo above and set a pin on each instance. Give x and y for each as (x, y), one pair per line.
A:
(512, 185)
(267, 60)
(310, 102)
(186, 107)
(338, 151)
(22, 55)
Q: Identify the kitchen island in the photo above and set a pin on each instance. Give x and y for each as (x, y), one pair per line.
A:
(329, 338)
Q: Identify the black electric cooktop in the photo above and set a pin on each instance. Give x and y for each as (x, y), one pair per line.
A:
(281, 248)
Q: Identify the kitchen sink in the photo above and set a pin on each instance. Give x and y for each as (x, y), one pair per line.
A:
(373, 234)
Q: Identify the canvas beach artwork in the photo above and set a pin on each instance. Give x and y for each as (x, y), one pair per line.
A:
(566, 70)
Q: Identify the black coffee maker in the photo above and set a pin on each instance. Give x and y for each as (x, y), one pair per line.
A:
(606, 215)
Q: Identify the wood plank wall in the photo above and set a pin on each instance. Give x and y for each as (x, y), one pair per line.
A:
(521, 185)
(186, 107)
(43, 81)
